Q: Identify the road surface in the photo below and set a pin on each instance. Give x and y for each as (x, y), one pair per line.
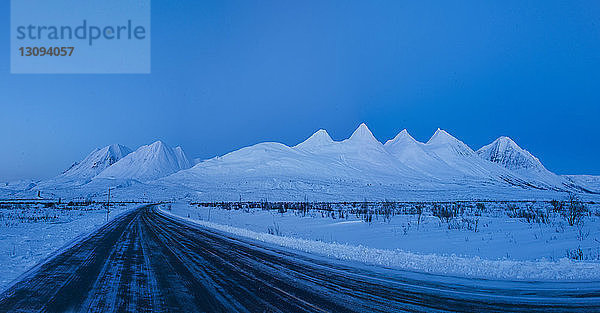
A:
(147, 261)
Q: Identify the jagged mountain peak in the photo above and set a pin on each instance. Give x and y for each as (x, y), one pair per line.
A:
(441, 136)
(148, 162)
(96, 162)
(442, 141)
(403, 144)
(506, 143)
(159, 144)
(413, 154)
(507, 153)
(115, 147)
(362, 134)
(182, 159)
(402, 137)
(319, 138)
(179, 149)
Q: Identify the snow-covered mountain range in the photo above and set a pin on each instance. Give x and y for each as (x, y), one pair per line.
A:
(148, 162)
(116, 165)
(319, 167)
(91, 166)
(362, 165)
(507, 153)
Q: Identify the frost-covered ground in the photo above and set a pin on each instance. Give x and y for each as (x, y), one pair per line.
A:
(500, 240)
(30, 233)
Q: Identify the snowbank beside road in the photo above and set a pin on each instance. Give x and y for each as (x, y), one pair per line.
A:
(475, 267)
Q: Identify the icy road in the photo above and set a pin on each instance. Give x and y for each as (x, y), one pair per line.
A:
(146, 261)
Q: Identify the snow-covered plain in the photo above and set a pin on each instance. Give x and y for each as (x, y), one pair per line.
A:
(30, 233)
(498, 246)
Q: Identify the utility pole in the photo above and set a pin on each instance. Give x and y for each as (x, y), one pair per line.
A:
(108, 204)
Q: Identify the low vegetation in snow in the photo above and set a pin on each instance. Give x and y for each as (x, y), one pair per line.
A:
(523, 230)
(30, 231)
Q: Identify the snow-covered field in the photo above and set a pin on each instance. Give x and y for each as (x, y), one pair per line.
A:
(521, 240)
(32, 232)
(505, 240)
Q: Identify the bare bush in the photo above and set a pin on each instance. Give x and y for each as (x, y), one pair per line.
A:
(445, 212)
(274, 230)
(574, 212)
(479, 208)
(530, 214)
(419, 212)
(557, 206)
(583, 255)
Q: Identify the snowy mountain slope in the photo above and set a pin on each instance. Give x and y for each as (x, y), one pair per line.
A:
(262, 158)
(197, 160)
(148, 162)
(97, 161)
(461, 158)
(445, 145)
(466, 164)
(182, 160)
(361, 154)
(590, 182)
(320, 163)
(319, 160)
(505, 152)
(93, 164)
(415, 155)
(19, 185)
(318, 139)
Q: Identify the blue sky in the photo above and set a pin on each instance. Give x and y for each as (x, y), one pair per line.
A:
(227, 74)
